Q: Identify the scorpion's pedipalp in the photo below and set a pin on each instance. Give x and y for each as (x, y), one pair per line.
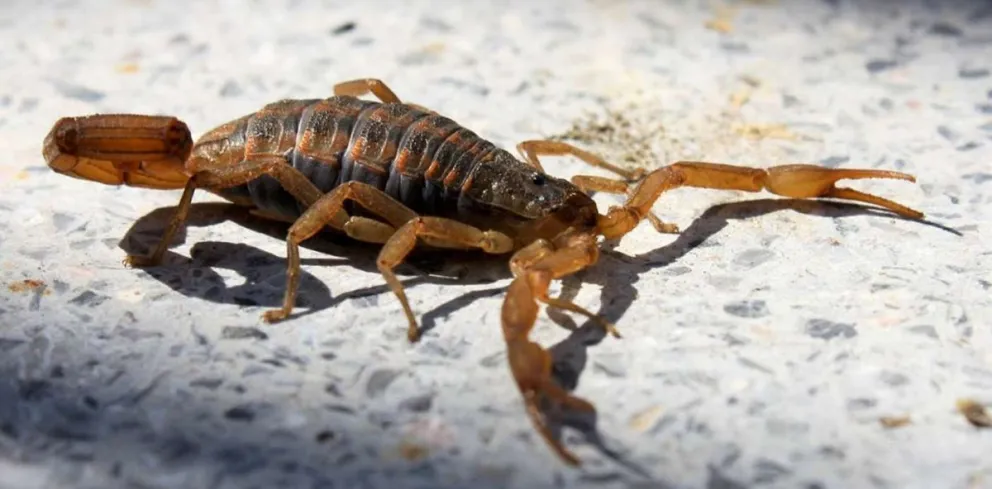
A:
(121, 149)
(534, 268)
(795, 181)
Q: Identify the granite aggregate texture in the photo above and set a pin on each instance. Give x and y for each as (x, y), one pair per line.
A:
(772, 344)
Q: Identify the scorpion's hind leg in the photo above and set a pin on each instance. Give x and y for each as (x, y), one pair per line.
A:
(224, 177)
(328, 210)
(531, 364)
(435, 231)
(795, 181)
(375, 86)
(362, 86)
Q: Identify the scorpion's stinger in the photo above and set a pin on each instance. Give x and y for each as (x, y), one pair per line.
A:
(121, 149)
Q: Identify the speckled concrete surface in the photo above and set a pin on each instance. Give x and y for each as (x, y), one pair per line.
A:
(762, 346)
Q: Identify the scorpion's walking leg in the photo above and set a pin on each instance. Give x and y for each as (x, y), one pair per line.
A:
(531, 364)
(531, 150)
(375, 86)
(329, 210)
(589, 183)
(795, 181)
(223, 177)
(362, 86)
(439, 232)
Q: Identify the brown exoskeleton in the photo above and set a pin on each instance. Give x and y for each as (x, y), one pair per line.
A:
(413, 176)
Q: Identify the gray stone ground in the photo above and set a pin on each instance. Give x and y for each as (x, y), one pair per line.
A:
(762, 346)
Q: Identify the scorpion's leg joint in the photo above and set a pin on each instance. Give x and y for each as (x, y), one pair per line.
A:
(363, 86)
(329, 210)
(438, 232)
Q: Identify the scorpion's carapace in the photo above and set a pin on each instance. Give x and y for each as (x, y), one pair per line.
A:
(121, 149)
(399, 175)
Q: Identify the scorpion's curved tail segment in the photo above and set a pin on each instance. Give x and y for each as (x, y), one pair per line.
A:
(121, 149)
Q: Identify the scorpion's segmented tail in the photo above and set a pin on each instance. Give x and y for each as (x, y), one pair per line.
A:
(121, 149)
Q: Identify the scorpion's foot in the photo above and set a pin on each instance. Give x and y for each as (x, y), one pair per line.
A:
(275, 315)
(140, 261)
(413, 333)
(662, 226)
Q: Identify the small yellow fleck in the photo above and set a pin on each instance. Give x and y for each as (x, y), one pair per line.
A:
(128, 67)
(720, 25)
(723, 19)
(412, 451)
(646, 418)
(435, 48)
(25, 285)
(21, 175)
(740, 97)
(765, 131)
(894, 421)
(975, 413)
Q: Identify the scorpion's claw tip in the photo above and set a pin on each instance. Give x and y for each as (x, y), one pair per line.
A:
(273, 316)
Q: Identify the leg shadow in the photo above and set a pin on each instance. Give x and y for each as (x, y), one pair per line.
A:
(264, 273)
(617, 273)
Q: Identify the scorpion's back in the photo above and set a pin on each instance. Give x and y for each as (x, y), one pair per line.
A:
(418, 157)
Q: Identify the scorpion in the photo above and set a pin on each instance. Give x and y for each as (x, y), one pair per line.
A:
(399, 175)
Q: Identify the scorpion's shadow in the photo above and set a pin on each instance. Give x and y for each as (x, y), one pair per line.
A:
(264, 273)
(616, 273)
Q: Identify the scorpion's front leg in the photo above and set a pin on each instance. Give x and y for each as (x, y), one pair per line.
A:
(531, 150)
(534, 269)
(795, 181)
(224, 177)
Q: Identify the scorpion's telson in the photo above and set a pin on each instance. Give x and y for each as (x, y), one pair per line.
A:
(116, 149)
(399, 175)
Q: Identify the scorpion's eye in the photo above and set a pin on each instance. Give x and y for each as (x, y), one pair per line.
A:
(538, 179)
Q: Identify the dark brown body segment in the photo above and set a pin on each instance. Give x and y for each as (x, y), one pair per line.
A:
(419, 158)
